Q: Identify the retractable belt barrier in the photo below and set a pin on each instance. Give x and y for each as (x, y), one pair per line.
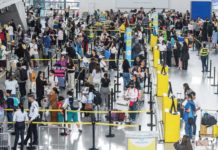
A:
(81, 123)
(83, 111)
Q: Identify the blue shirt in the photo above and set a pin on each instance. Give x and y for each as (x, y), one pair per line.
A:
(190, 105)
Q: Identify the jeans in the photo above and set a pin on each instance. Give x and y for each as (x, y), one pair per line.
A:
(194, 126)
(204, 63)
(133, 115)
(10, 118)
(188, 129)
(19, 131)
(126, 78)
(45, 52)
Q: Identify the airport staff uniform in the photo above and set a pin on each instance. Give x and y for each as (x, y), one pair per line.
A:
(33, 116)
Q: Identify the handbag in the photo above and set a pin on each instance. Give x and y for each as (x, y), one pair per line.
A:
(131, 103)
(88, 107)
(107, 54)
(90, 79)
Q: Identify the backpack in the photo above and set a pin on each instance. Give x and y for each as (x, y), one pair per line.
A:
(208, 120)
(97, 98)
(23, 75)
(74, 105)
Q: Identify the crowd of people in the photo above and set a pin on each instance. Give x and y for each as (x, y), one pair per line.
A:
(86, 58)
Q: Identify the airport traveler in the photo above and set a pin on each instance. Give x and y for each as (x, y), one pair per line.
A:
(40, 86)
(11, 84)
(2, 107)
(126, 72)
(198, 108)
(183, 144)
(185, 56)
(33, 117)
(204, 53)
(105, 91)
(10, 105)
(53, 97)
(188, 116)
(20, 117)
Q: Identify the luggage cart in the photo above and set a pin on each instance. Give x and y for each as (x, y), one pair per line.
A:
(208, 134)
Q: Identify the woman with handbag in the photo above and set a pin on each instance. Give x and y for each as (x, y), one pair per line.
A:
(132, 94)
(53, 96)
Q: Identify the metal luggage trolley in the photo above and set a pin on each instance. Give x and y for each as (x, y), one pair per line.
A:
(5, 142)
(47, 140)
(208, 134)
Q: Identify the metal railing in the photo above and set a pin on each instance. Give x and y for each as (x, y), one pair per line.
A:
(5, 141)
(46, 140)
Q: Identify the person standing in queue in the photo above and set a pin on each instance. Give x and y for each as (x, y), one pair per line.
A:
(33, 116)
(204, 53)
(20, 117)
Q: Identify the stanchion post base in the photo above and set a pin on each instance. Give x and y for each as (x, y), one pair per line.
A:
(63, 134)
(93, 149)
(210, 77)
(30, 147)
(110, 135)
(216, 93)
(151, 125)
(149, 113)
(214, 85)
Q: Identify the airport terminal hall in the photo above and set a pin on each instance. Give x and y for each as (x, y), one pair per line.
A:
(108, 74)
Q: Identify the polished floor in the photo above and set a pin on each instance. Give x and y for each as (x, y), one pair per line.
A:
(50, 136)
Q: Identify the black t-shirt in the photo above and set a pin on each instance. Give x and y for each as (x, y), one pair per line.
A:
(105, 82)
(70, 68)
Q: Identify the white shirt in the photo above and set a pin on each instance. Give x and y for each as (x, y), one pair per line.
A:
(132, 93)
(96, 76)
(20, 116)
(11, 85)
(163, 48)
(10, 30)
(53, 80)
(60, 35)
(33, 49)
(34, 110)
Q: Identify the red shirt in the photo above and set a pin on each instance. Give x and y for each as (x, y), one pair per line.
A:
(2, 36)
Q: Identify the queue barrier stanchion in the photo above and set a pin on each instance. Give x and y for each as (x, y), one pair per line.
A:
(149, 84)
(151, 112)
(207, 63)
(110, 135)
(48, 72)
(216, 87)
(214, 78)
(93, 133)
(140, 128)
(210, 70)
(79, 86)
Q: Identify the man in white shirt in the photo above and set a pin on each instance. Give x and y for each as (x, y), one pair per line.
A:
(163, 49)
(11, 32)
(60, 37)
(33, 116)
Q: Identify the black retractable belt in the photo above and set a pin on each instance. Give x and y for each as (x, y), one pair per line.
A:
(173, 106)
(170, 91)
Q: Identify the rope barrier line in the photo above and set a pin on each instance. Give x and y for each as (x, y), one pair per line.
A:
(107, 60)
(83, 111)
(79, 123)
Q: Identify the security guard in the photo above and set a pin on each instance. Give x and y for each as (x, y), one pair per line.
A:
(204, 52)
(33, 116)
(20, 116)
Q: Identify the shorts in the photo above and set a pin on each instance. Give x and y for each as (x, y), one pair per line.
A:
(72, 116)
